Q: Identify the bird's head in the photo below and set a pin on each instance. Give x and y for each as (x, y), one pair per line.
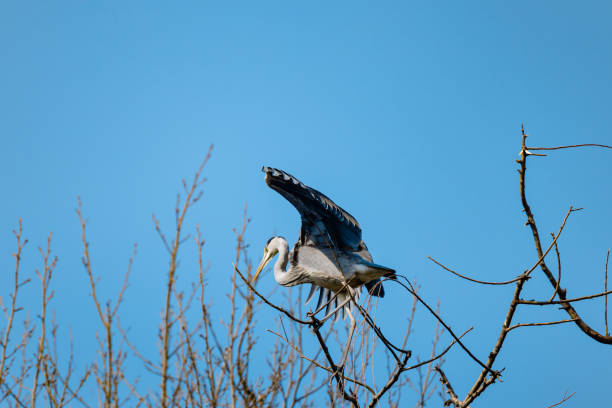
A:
(270, 250)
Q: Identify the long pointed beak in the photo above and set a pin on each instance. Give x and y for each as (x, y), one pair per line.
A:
(266, 258)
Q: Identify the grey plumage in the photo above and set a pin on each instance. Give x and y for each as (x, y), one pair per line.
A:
(330, 250)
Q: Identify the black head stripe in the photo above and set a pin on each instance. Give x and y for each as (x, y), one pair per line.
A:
(271, 238)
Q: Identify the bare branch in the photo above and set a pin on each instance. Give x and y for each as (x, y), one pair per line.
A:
(266, 301)
(588, 330)
(392, 380)
(564, 399)
(446, 385)
(482, 382)
(321, 366)
(13, 308)
(471, 279)
(552, 297)
(422, 363)
(446, 326)
(126, 278)
(606, 296)
(554, 242)
(571, 146)
(564, 301)
(348, 396)
(539, 324)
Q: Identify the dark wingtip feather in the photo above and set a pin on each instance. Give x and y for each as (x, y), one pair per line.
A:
(375, 288)
(340, 214)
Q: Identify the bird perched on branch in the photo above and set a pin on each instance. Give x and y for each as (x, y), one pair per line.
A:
(329, 253)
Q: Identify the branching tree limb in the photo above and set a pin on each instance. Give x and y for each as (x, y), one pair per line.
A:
(206, 356)
(485, 379)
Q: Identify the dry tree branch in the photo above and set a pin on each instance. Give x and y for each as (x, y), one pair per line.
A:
(235, 355)
(111, 371)
(315, 324)
(452, 396)
(563, 399)
(552, 297)
(297, 345)
(553, 243)
(394, 396)
(438, 356)
(390, 346)
(471, 279)
(348, 396)
(266, 301)
(54, 379)
(570, 146)
(149, 365)
(564, 301)
(44, 360)
(13, 308)
(392, 380)
(484, 380)
(588, 330)
(192, 196)
(539, 324)
(214, 388)
(606, 296)
(26, 336)
(425, 381)
(40, 359)
(446, 326)
(321, 366)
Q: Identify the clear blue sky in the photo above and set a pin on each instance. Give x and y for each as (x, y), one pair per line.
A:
(406, 114)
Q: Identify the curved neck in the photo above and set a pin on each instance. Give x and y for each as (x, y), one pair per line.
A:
(280, 267)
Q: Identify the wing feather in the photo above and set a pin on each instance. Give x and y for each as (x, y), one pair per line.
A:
(322, 219)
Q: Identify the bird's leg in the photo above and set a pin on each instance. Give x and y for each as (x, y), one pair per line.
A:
(352, 294)
(322, 305)
(350, 339)
(330, 314)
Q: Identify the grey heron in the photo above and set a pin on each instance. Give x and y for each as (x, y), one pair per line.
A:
(329, 254)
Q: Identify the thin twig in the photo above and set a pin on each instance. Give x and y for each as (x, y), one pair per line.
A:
(446, 326)
(321, 366)
(588, 330)
(422, 363)
(552, 297)
(571, 146)
(348, 396)
(471, 279)
(13, 307)
(392, 380)
(453, 398)
(266, 301)
(180, 213)
(564, 301)
(565, 398)
(539, 324)
(482, 382)
(554, 242)
(606, 296)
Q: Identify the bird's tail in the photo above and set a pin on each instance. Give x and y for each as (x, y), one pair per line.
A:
(383, 270)
(375, 286)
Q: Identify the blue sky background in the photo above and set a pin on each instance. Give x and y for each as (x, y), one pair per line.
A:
(406, 114)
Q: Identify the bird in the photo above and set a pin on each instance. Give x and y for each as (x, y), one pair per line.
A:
(329, 254)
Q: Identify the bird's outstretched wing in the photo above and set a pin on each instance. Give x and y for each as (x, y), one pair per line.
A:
(324, 223)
